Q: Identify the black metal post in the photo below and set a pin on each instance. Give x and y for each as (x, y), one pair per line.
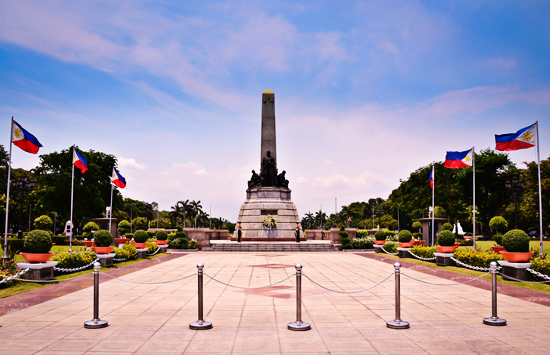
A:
(200, 324)
(96, 323)
(299, 325)
(397, 323)
(494, 319)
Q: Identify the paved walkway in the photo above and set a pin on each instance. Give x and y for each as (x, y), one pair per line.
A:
(154, 318)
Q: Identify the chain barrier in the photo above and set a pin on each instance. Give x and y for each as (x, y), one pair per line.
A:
(421, 258)
(53, 280)
(476, 268)
(349, 292)
(148, 283)
(76, 268)
(119, 260)
(514, 279)
(154, 252)
(536, 273)
(453, 284)
(14, 276)
(248, 288)
(387, 252)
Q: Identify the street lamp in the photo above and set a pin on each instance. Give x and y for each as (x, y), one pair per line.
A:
(23, 185)
(515, 187)
(379, 213)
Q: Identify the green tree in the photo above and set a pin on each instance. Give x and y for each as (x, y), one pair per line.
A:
(528, 214)
(140, 223)
(43, 222)
(320, 219)
(196, 208)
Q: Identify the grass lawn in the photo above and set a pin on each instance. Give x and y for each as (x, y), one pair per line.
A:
(534, 245)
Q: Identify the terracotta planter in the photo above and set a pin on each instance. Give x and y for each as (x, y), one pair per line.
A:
(102, 250)
(446, 249)
(161, 242)
(36, 257)
(457, 244)
(468, 238)
(379, 242)
(121, 240)
(517, 257)
(88, 243)
(406, 245)
(140, 245)
(497, 248)
(418, 242)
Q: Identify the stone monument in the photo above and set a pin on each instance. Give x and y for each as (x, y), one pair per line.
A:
(268, 193)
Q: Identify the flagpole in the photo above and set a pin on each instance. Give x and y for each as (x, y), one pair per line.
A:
(72, 190)
(433, 205)
(540, 192)
(8, 196)
(474, 195)
(111, 208)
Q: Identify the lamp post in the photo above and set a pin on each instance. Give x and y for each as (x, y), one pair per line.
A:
(379, 213)
(22, 184)
(515, 187)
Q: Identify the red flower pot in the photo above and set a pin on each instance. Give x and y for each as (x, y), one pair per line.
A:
(406, 245)
(379, 242)
(102, 250)
(161, 242)
(446, 249)
(36, 257)
(140, 245)
(497, 248)
(457, 244)
(121, 240)
(517, 257)
(88, 243)
(418, 242)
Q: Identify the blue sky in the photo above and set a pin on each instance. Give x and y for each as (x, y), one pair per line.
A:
(366, 91)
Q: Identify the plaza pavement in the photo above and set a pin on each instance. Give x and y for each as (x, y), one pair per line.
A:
(153, 319)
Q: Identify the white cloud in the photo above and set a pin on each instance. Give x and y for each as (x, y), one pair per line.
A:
(130, 163)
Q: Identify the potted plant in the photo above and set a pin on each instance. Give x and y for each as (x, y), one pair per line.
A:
(37, 247)
(446, 241)
(418, 238)
(404, 239)
(162, 237)
(380, 238)
(516, 243)
(498, 240)
(123, 228)
(103, 239)
(88, 233)
(140, 239)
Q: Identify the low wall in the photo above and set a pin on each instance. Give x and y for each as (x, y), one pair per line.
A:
(204, 235)
(316, 234)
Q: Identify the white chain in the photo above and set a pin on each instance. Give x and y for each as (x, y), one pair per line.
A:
(148, 283)
(387, 252)
(348, 292)
(158, 248)
(436, 284)
(529, 282)
(76, 268)
(248, 288)
(546, 277)
(14, 276)
(421, 258)
(477, 268)
(53, 280)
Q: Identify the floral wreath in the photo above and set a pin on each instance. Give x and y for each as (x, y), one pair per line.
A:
(269, 222)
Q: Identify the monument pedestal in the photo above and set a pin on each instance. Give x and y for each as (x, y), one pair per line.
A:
(444, 259)
(38, 271)
(141, 253)
(105, 259)
(403, 252)
(515, 270)
(274, 201)
(163, 248)
(378, 248)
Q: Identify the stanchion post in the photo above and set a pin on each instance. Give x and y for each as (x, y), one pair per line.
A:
(299, 325)
(494, 320)
(96, 322)
(397, 323)
(200, 324)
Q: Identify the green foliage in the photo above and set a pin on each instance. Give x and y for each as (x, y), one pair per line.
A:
(77, 258)
(362, 243)
(60, 240)
(380, 235)
(447, 227)
(418, 236)
(151, 234)
(43, 222)
(476, 258)
(423, 251)
(103, 238)
(162, 235)
(405, 236)
(38, 241)
(391, 247)
(193, 244)
(541, 265)
(128, 251)
(417, 225)
(124, 227)
(498, 223)
(343, 233)
(129, 235)
(16, 245)
(178, 243)
(446, 238)
(346, 242)
(160, 222)
(151, 247)
(269, 222)
(516, 240)
(88, 228)
(140, 223)
(140, 236)
(498, 238)
(361, 233)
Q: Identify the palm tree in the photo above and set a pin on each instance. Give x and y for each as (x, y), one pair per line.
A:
(196, 208)
(184, 207)
(320, 219)
(308, 218)
(176, 212)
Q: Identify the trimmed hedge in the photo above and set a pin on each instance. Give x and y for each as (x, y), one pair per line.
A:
(516, 240)
(423, 252)
(405, 236)
(446, 238)
(476, 258)
(38, 241)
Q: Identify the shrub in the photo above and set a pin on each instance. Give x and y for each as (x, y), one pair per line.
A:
(43, 222)
(541, 265)
(151, 234)
(74, 259)
(423, 251)
(418, 236)
(516, 240)
(468, 234)
(362, 243)
(124, 227)
(129, 235)
(390, 247)
(128, 251)
(9, 268)
(162, 235)
(88, 228)
(447, 227)
(391, 237)
(16, 245)
(140, 236)
(467, 243)
(38, 241)
(446, 238)
(152, 247)
(193, 244)
(61, 240)
(390, 233)
(140, 223)
(362, 233)
(103, 238)
(181, 234)
(346, 242)
(405, 236)
(178, 243)
(498, 238)
(417, 225)
(498, 223)
(477, 258)
(343, 234)
(380, 235)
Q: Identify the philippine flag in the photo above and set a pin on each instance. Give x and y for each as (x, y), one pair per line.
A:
(432, 178)
(79, 161)
(522, 139)
(24, 139)
(118, 180)
(457, 160)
